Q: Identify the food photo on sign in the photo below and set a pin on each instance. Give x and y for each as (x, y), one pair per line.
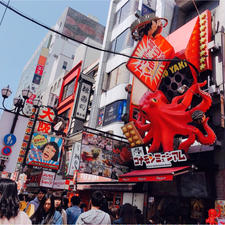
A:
(45, 151)
(104, 156)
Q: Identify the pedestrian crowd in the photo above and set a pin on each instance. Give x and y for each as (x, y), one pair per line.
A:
(52, 209)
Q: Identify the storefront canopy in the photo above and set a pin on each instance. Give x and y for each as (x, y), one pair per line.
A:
(162, 174)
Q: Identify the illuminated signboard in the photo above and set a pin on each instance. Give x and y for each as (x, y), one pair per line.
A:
(150, 72)
(44, 151)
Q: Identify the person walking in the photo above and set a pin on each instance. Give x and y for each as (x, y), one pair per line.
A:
(33, 205)
(127, 215)
(9, 204)
(58, 207)
(94, 215)
(46, 212)
(74, 211)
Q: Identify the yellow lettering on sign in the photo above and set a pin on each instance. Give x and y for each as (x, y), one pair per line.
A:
(39, 140)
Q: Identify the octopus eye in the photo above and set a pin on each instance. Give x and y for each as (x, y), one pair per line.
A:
(154, 100)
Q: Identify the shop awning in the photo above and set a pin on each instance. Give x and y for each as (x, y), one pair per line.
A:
(162, 174)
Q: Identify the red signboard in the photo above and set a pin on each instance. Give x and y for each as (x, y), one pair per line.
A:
(39, 70)
(162, 174)
(150, 72)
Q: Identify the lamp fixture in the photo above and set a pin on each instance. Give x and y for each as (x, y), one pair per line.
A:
(26, 93)
(6, 92)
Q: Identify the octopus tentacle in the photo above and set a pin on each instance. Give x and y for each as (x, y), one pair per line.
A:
(208, 139)
(205, 103)
(186, 144)
(155, 146)
(148, 137)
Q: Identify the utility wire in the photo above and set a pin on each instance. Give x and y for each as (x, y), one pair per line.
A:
(4, 13)
(196, 7)
(90, 46)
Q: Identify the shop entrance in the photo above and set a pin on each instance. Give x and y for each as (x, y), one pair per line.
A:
(174, 210)
(185, 200)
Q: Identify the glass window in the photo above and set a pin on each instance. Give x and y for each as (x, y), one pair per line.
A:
(68, 89)
(117, 18)
(125, 11)
(123, 41)
(59, 82)
(64, 65)
(65, 114)
(118, 76)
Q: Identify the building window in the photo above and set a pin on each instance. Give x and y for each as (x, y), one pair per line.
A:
(65, 114)
(55, 85)
(64, 65)
(126, 10)
(68, 89)
(118, 76)
(59, 83)
(121, 42)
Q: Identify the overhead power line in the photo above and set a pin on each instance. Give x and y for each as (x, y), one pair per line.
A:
(4, 13)
(91, 46)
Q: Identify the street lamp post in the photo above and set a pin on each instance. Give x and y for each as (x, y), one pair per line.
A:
(19, 104)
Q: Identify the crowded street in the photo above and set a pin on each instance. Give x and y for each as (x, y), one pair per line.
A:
(112, 112)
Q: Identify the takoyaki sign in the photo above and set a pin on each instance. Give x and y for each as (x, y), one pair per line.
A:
(154, 160)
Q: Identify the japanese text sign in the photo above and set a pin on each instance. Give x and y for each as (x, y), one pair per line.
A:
(153, 160)
(150, 72)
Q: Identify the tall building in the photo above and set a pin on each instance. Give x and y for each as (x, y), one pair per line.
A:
(55, 54)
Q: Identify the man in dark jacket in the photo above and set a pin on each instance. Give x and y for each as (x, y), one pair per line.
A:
(94, 215)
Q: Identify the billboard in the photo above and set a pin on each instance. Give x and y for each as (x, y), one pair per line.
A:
(150, 72)
(112, 112)
(40, 66)
(44, 151)
(104, 156)
(79, 27)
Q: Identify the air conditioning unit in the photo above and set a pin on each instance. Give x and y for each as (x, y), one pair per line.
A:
(53, 100)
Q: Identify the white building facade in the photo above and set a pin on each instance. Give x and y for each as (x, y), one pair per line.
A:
(59, 53)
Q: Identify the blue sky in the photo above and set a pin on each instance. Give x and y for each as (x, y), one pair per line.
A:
(19, 38)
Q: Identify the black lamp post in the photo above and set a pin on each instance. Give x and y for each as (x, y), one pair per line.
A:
(19, 104)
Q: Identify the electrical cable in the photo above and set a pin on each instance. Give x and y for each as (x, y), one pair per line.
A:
(93, 47)
(4, 13)
(196, 7)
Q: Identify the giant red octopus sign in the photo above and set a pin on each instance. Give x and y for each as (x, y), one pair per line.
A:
(160, 120)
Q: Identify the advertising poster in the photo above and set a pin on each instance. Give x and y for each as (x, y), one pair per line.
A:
(75, 159)
(44, 151)
(47, 179)
(103, 156)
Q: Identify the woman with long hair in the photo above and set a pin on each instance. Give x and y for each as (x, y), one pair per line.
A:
(46, 212)
(9, 204)
(58, 207)
(127, 215)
